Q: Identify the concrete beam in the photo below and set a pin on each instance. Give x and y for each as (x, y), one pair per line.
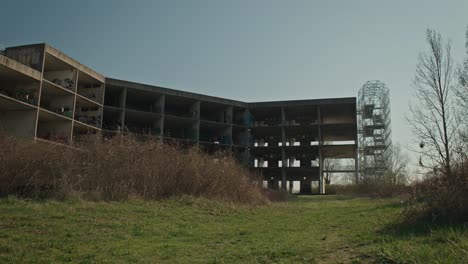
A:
(62, 56)
(168, 91)
(7, 64)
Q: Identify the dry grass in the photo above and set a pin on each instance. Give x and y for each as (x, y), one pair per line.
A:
(120, 168)
(441, 197)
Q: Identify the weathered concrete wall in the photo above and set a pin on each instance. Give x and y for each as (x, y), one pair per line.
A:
(31, 55)
(21, 123)
(16, 66)
(62, 56)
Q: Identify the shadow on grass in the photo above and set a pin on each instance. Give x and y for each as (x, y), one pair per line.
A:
(423, 227)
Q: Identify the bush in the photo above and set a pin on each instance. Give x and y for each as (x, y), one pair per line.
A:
(120, 168)
(441, 197)
(275, 196)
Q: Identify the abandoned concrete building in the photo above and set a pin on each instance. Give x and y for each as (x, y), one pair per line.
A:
(47, 96)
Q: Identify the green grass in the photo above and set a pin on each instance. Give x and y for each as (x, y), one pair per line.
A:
(307, 229)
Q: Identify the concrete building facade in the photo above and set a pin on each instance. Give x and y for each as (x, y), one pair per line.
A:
(47, 96)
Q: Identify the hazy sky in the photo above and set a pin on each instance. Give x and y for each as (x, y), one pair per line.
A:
(248, 50)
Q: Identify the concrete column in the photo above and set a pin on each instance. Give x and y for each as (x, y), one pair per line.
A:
(75, 90)
(229, 115)
(283, 153)
(195, 110)
(124, 106)
(158, 105)
(291, 141)
(306, 186)
(123, 98)
(261, 142)
(321, 178)
(273, 183)
(320, 138)
(260, 162)
(162, 102)
(39, 95)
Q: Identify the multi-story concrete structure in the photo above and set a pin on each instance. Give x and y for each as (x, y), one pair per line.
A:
(47, 96)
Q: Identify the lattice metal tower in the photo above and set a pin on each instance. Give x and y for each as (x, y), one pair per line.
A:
(374, 129)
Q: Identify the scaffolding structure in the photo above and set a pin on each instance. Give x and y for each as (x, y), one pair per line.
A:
(374, 130)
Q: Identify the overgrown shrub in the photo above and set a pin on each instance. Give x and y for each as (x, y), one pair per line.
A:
(441, 197)
(119, 168)
(274, 195)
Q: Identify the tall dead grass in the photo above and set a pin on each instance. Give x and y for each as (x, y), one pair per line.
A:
(441, 197)
(120, 168)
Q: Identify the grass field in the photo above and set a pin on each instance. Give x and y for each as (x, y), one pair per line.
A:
(307, 229)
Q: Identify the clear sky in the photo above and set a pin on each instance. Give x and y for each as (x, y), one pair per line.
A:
(252, 50)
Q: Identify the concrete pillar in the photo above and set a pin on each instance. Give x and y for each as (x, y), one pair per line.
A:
(320, 138)
(229, 115)
(306, 187)
(270, 183)
(123, 98)
(162, 102)
(261, 142)
(273, 183)
(195, 110)
(123, 103)
(260, 162)
(291, 141)
(322, 186)
(283, 153)
(321, 178)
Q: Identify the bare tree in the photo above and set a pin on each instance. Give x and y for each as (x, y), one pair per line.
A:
(329, 165)
(397, 164)
(432, 117)
(462, 98)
